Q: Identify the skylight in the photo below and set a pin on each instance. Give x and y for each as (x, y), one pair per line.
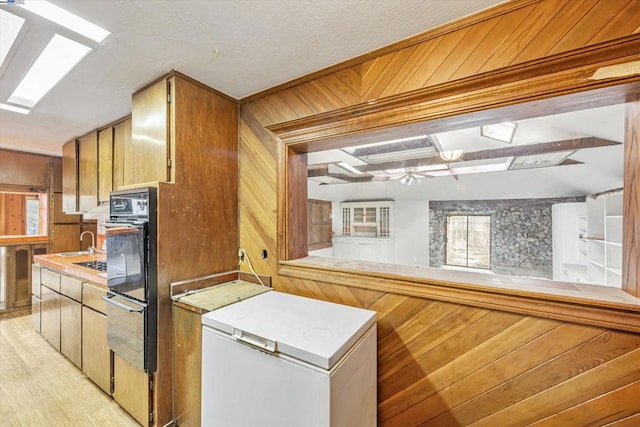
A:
(14, 108)
(67, 19)
(56, 60)
(10, 26)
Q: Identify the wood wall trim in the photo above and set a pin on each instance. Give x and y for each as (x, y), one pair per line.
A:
(631, 203)
(543, 78)
(572, 309)
(476, 18)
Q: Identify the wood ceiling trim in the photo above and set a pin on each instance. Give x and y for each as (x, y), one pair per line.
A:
(539, 79)
(519, 150)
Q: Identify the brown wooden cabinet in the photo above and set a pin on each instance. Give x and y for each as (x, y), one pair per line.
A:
(71, 329)
(121, 139)
(105, 164)
(70, 176)
(148, 156)
(50, 316)
(35, 297)
(97, 362)
(88, 172)
(131, 389)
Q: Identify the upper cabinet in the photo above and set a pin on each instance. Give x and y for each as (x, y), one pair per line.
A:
(147, 158)
(88, 172)
(121, 138)
(105, 164)
(70, 176)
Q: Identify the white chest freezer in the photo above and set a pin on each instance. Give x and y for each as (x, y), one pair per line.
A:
(283, 360)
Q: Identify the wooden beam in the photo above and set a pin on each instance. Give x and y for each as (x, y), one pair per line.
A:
(520, 150)
(393, 147)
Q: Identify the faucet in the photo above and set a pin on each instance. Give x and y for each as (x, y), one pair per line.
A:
(92, 248)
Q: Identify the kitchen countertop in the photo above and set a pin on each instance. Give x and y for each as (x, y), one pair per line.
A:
(211, 298)
(66, 265)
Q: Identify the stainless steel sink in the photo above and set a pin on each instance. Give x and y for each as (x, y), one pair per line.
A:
(75, 253)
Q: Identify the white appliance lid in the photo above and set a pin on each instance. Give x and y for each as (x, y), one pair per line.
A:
(314, 331)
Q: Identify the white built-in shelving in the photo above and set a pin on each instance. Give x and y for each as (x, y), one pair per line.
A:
(588, 242)
(604, 239)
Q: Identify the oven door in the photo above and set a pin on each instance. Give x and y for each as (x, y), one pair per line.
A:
(127, 260)
(126, 329)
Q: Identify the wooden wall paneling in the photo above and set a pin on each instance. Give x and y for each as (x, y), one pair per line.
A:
(88, 172)
(188, 371)
(105, 163)
(17, 168)
(257, 181)
(197, 213)
(64, 237)
(490, 358)
(56, 175)
(13, 214)
(297, 243)
(70, 176)
(631, 200)
(574, 393)
(620, 24)
(583, 357)
(598, 16)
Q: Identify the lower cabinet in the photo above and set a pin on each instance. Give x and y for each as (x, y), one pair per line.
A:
(131, 389)
(35, 313)
(187, 347)
(50, 316)
(96, 355)
(71, 330)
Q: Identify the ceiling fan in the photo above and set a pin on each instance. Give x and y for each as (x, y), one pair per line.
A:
(409, 176)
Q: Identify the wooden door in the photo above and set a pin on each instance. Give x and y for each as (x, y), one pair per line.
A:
(121, 139)
(71, 330)
(50, 316)
(96, 355)
(70, 176)
(146, 157)
(319, 224)
(88, 172)
(105, 164)
(131, 389)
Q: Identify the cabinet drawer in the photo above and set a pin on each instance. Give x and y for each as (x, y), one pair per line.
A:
(50, 279)
(71, 287)
(92, 297)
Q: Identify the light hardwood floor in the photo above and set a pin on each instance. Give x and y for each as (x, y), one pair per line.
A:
(40, 387)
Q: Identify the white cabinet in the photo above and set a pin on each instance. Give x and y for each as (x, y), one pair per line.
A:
(363, 248)
(367, 218)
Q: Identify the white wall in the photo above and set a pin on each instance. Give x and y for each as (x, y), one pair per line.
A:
(411, 232)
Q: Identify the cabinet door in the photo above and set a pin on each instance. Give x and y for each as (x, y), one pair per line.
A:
(146, 157)
(96, 355)
(121, 139)
(88, 168)
(35, 313)
(71, 330)
(105, 164)
(50, 316)
(131, 389)
(70, 176)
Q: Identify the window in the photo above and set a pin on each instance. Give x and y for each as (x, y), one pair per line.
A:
(469, 241)
(32, 215)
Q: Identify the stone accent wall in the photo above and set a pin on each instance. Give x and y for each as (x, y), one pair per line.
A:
(521, 239)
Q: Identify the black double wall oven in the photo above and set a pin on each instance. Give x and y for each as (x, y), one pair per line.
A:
(131, 236)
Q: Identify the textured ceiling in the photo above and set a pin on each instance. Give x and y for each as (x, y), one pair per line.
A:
(260, 44)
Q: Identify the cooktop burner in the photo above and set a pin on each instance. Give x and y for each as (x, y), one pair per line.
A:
(95, 265)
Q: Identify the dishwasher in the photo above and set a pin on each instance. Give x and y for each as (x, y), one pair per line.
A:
(284, 360)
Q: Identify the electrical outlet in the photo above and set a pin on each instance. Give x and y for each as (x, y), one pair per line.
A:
(241, 254)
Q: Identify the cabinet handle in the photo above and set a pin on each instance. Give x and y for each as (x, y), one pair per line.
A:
(108, 300)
